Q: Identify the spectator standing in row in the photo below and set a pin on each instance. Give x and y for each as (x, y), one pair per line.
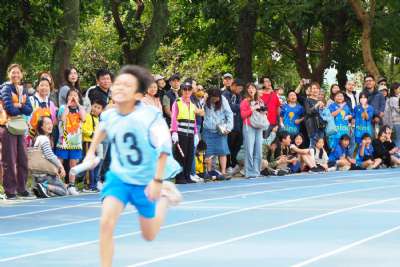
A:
(104, 79)
(151, 98)
(71, 78)
(363, 115)
(252, 136)
(227, 80)
(292, 114)
(69, 145)
(314, 124)
(170, 96)
(343, 115)
(184, 132)
(235, 137)
(53, 91)
(161, 85)
(392, 111)
(15, 162)
(218, 122)
(375, 99)
(271, 102)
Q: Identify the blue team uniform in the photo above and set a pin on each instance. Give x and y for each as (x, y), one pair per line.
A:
(362, 126)
(368, 154)
(137, 140)
(290, 114)
(342, 125)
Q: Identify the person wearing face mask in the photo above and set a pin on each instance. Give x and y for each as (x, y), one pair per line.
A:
(363, 115)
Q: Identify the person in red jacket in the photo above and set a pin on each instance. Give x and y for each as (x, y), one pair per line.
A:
(271, 102)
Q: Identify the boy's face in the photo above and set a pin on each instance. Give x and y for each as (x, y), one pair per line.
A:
(345, 142)
(96, 109)
(368, 141)
(124, 89)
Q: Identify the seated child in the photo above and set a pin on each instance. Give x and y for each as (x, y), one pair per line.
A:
(365, 155)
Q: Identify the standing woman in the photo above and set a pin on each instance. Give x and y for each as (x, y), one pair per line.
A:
(53, 91)
(16, 103)
(392, 111)
(42, 106)
(314, 124)
(252, 136)
(218, 122)
(71, 82)
(151, 98)
(332, 92)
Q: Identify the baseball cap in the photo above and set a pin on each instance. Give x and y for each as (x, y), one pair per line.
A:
(227, 75)
(158, 77)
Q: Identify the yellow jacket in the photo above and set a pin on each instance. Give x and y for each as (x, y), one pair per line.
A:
(89, 127)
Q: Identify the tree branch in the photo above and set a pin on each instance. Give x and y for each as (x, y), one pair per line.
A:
(139, 9)
(361, 13)
(122, 33)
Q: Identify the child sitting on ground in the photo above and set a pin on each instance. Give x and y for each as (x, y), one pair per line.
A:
(365, 155)
(320, 156)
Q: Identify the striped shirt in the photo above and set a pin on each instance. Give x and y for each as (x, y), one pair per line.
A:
(43, 142)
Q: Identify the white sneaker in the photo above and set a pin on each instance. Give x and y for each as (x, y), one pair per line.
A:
(242, 172)
(99, 185)
(229, 170)
(196, 178)
(172, 193)
(72, 191)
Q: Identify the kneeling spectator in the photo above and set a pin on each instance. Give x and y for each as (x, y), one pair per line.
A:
(340, 155)
(47, 185)
(365, 156)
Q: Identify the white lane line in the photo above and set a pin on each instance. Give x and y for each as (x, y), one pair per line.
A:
(264, 231)
(201, 219)
(186, 192)
(347, 247)
(192, 202)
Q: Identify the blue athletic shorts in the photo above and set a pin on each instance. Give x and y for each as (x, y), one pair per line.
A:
(69, 154)
(128, 193)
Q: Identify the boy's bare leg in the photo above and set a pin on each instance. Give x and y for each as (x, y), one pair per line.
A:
(111, 210)
(151, 227)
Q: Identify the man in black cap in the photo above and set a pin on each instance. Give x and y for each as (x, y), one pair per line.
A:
(170, 97)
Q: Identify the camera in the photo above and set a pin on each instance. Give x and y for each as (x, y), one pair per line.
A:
(262, 109)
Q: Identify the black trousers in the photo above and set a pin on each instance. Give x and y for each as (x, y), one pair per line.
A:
(235, 141)
(186, 143)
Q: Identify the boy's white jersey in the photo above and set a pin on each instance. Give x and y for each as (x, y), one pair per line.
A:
(137, 139)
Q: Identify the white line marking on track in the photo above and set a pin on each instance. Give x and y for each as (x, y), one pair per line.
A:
(186, 192)
(347, 247)
(75, 245)
(193, 202)
(264, 231)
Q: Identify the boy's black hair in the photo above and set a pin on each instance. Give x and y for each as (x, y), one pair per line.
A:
(99, 101)
(344, 137)
(283, 135)
(103, 72)
(366, 135)
(144, 77)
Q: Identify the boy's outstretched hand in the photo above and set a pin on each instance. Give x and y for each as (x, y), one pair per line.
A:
(153, 190)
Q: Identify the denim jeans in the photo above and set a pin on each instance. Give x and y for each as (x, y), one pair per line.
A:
(396, 128)
(252, 138)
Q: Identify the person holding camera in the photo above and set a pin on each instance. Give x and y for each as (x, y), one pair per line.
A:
(252, 135)
(314, 123)
(218, 122)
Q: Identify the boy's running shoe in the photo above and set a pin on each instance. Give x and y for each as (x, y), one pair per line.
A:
(172, 193)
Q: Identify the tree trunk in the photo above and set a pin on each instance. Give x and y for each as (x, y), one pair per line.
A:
(65, 42)
(366, 19)
(146, 54)
(368, 58)
(245, 39)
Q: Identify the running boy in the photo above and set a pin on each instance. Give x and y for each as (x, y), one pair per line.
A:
(140, 146)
